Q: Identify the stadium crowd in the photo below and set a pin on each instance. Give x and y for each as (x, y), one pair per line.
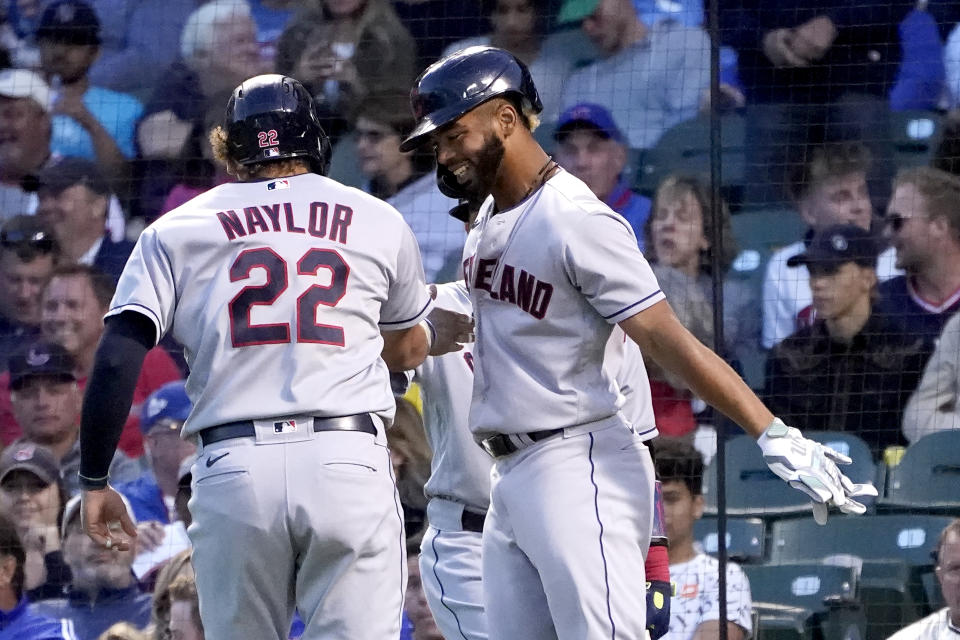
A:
(839, 298)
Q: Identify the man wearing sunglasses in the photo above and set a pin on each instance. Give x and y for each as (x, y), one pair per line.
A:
(28, 254)
(923, 224)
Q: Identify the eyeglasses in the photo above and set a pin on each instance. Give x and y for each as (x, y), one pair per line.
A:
(375, 136)
(38, 239)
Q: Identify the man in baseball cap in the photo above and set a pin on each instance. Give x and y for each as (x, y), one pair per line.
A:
(30, 458)
(41, 359)
(592, 147)
(153, 494)
(847, 369)
(25, 101)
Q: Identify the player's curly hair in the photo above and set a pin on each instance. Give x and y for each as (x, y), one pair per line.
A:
(275, 168)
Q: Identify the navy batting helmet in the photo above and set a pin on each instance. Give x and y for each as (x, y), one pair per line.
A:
(450, 87)
(272, 117)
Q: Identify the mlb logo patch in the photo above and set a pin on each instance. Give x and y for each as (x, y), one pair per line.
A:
(272, 152)
(278, 184)
(285, 426)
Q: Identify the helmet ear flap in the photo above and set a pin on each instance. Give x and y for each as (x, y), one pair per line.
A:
(449, 185)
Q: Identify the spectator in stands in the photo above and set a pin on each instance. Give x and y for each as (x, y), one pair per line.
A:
(650, 77)
(152, 495)
(185, 623)
(178, 567)
(344, 50)
(103, 590)
(140, 39)
(935, 405)
(923, 224)
(410, 455)
(45, 400)
(830, 188)
(16, 34)
(520, 27)
(89, 121)
(679, 236)
(33, 495)
(218, 50)
(383, 120)
(28, 254)
(74, 303)
(814, 71)
(25, 128)
(200, 172)
(17, 621)
(850, 370)
(694, 609)
(440, 236)
(415, 605)
(944, 623)
(75, 201)
(591, 146)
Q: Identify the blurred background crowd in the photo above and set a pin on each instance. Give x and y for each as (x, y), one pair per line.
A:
(827, 271)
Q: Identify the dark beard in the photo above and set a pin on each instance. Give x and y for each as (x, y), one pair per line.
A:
(487, 166)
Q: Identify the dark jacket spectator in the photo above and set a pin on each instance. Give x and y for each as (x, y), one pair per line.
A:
(849, 371)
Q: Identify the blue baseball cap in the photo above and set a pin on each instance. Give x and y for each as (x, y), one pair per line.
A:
(587, 115)
(168, 403)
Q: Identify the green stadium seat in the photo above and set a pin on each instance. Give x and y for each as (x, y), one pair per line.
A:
(746, 538)
(928, 476)
(685, 148)
(806, 600)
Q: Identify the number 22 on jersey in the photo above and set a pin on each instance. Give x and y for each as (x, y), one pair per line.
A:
(244, 333)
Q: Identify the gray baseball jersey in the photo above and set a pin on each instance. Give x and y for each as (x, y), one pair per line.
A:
(543, 318)
(214, 274)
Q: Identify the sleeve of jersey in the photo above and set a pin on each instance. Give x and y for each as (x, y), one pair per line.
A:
(603, 261)
(408, 301)
(146, 284)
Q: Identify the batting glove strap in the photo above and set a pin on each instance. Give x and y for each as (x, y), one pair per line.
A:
(812, 468)
(659, 593)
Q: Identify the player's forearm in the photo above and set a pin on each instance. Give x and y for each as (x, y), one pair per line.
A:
(108, 398)
(406, 349)
(661, 336)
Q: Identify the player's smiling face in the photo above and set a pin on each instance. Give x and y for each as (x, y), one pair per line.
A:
(471, 149)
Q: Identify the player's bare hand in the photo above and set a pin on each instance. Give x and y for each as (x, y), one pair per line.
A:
(105, 519)
(150, 535)
(812, 468)
(453, 331)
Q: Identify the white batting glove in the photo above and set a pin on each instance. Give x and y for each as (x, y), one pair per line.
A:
(812, 468)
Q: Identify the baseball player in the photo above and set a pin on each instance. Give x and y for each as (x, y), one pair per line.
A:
(292, 295)
(459, 484)
(550, 269)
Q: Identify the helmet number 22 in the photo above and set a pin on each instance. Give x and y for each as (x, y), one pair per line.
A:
(267, 138)
(243, 333)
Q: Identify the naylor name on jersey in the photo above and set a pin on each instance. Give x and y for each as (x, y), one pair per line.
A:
(516, 286)
(320, 222)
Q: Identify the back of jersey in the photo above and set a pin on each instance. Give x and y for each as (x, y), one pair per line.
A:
(278, 290)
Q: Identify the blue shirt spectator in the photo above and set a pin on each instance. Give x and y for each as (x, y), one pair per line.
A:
(592, 147)
(20, 623)
(17, 621)
(118, 113)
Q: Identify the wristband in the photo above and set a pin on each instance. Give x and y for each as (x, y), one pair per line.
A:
(93, 484)
(430, 331)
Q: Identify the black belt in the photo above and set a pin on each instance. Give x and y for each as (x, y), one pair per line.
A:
(471, 521)
(502, 445)
(245, 429)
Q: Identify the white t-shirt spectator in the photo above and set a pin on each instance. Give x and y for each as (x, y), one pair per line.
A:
(936, 626)
(697, 599)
